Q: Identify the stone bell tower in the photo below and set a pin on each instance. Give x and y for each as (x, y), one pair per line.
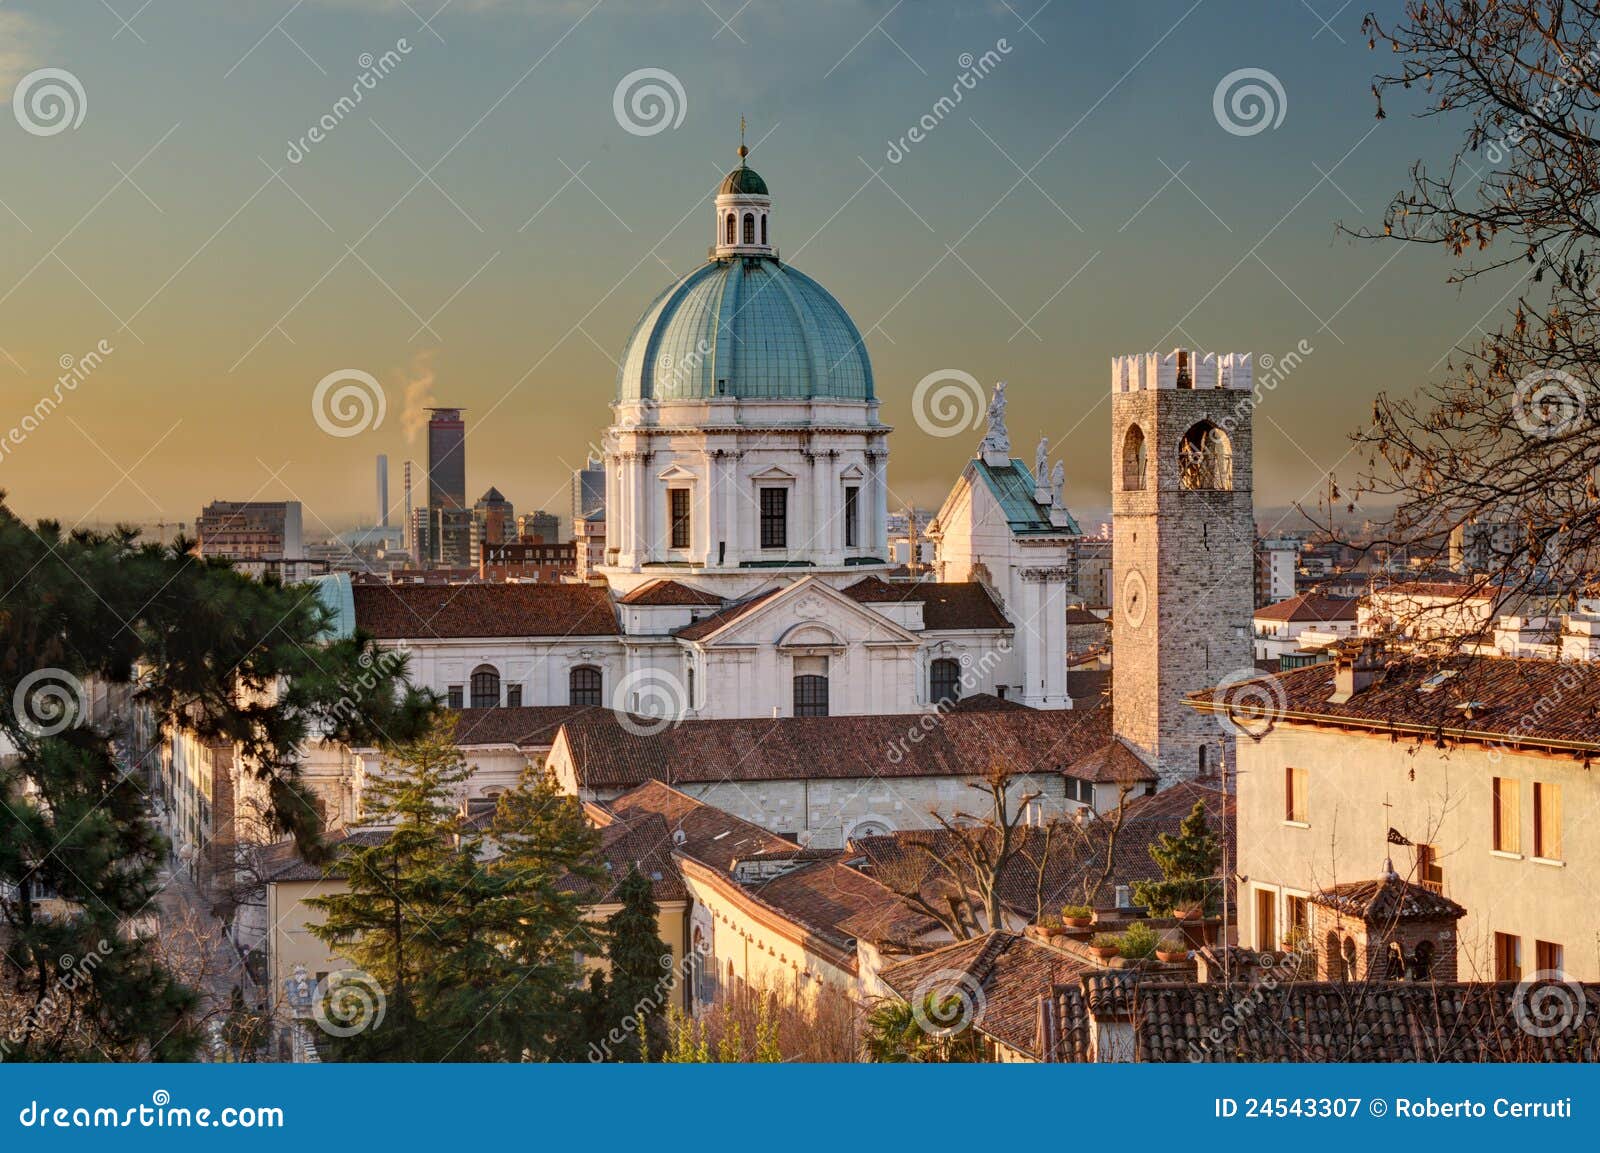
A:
(1183, 550)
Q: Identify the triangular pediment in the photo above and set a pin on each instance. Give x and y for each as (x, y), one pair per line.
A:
(810, 613)
(772, 472)
(677, 472)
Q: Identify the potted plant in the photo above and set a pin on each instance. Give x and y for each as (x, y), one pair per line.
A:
(1138, 942)
(1105, 945)
(1052, 926)
(1172, 950)
(1077, 916)
(1190, 911)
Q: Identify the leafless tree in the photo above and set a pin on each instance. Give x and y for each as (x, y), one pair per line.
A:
(1510, 431)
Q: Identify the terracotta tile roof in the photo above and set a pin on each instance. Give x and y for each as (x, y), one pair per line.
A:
(1388, 899)
(705, 626)
(643, 843)
(945, 605)
(1535, 702)
(709, 835)
(1003, 975)
(531, 726)
(1455, 590)
(1078, 615)
(1381, 1021)
(961, 743)
(822, 894)
(668, 592)
(281, 861)
(1111, 763)
(1310, 607)
(401, 612)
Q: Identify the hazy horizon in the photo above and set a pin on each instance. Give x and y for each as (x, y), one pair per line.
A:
(483, 229)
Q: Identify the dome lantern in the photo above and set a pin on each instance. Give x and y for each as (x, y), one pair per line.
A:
(744, 211)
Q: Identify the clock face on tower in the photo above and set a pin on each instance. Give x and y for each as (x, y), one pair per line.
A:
(1134, 598)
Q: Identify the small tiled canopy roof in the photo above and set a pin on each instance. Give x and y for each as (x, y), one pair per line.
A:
(1388, 899)
(668, 592)
(1389, 1021)
(528, 726)
(417, 612)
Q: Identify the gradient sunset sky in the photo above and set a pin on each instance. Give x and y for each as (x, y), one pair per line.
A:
(484, 220)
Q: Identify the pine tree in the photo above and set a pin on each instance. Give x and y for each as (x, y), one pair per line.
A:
(641, 977)
(1189, 861)
(232, 660)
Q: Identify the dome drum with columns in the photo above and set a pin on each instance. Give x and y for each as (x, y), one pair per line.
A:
(746, 434)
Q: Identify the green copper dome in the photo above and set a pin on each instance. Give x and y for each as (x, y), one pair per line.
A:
(745, 327)
(743, 181)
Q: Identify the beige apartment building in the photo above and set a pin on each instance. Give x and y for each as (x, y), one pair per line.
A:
(1472, 775)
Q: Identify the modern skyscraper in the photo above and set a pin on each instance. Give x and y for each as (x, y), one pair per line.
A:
(588, 489)
(447, 459)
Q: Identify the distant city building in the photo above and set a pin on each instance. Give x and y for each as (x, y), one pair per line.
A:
(249, 530)
(1277, 559)
(447, 459)
(588, 488)
(450, 537)
(589, 544)
(527, 561)
(383, 491)
(540, 525)
(493, 522)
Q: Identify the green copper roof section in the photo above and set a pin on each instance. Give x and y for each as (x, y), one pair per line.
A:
(747, 327)
(1013, 487)
(333, 590)
(744, 181)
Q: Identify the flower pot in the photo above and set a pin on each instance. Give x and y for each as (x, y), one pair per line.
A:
(1079, 922)
(1171, 958)
(1104, 952)
(1189, 913)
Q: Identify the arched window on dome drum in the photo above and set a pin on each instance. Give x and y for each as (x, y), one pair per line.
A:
(749, 227)
(763, 230)
(944, 682)
(485, 687)
(583, 686)
(729, 239)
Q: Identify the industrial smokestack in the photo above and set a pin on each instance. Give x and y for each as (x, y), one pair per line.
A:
(383, 491)
(405, 528)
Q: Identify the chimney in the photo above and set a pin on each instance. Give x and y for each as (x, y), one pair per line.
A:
(383, 491)
(405, 526)
(1354, 670)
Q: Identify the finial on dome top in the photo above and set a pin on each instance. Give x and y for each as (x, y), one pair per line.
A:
(743, 151)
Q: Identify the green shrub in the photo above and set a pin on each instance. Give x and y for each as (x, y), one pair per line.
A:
(1138, 941)
(1106, 941)
(1075, 912)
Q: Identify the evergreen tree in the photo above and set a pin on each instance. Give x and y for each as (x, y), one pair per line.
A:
(1189, 861)
(474, 936)
(237, 661)
(641, 978)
